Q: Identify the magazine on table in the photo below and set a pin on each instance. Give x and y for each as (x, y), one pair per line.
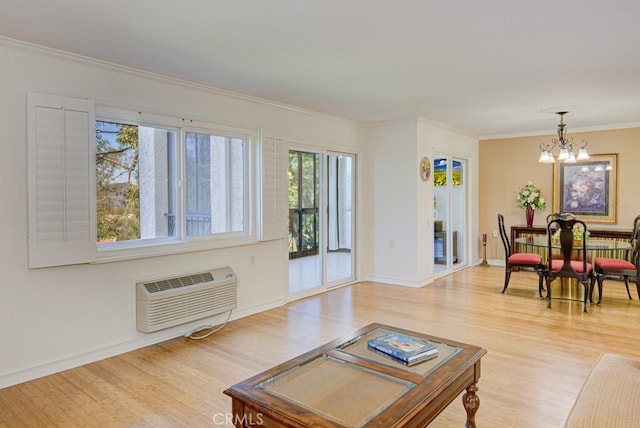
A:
(407, 349)
(409, 362)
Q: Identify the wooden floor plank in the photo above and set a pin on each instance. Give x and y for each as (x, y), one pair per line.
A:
(537, 359)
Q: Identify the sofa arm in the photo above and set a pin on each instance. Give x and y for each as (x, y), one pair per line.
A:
(610, 396)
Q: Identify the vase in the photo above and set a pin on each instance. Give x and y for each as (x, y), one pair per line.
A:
(529, 212)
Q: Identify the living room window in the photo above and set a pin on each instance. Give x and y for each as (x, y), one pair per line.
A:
(161, 184)
(108, 183)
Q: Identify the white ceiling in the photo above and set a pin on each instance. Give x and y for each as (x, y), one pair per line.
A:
(490, 68)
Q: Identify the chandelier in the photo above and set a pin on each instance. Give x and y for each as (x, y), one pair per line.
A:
(565, 146)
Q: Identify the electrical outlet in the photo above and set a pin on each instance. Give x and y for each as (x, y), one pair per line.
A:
(495, 233)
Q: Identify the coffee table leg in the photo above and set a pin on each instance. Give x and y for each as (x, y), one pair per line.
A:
(471, 403)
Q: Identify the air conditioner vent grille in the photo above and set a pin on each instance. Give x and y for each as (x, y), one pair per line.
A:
(177, 300)
(177, 282)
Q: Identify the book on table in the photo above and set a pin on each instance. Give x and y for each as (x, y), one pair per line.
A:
(408, 349)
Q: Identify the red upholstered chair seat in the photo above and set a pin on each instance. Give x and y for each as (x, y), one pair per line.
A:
(607, 263)
(556, 265)
(525, 259)
(518, 260)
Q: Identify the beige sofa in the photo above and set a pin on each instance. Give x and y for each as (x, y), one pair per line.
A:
(610, 396)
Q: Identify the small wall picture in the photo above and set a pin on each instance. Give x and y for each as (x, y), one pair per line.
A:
(425, 169)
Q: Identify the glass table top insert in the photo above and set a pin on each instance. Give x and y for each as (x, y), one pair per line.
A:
(337, 390)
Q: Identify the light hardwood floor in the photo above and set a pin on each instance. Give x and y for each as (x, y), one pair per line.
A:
(537, 357)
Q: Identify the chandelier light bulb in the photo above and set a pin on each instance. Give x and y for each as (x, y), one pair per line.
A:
(564, 154)
(544, 157)
(582, 154)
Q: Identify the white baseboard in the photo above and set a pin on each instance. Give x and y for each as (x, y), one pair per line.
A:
(405, 282)
(138, 342)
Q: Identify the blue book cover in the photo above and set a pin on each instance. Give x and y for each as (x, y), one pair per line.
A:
(403, 347)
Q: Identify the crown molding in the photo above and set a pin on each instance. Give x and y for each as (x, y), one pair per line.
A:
(573, 131)
(421, 120)
(34, 49)
(446, 127)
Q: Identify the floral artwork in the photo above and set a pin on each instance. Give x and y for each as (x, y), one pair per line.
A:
(584, 190)
(587, 189)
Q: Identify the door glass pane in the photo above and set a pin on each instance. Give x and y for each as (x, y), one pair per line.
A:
(449, 213)
(310, 183)
(305, 265)
(304, 185)
(441, 212)
(458, 212)
(340, 217)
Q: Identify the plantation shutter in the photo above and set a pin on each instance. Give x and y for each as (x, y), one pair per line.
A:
(274, 190)
(61, 180)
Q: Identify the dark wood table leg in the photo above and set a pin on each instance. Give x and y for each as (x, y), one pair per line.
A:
(471, 403)
(237, 409)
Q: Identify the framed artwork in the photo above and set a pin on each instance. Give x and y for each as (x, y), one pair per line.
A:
(588, 189)
(425, 169)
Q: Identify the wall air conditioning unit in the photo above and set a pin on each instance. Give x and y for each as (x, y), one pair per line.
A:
(178, 300)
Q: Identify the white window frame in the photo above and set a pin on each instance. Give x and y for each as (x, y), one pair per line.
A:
(265, 210)
(181, 243)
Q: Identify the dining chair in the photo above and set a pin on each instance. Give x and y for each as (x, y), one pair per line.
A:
(567, 267)
(626, 268)
(518, 260)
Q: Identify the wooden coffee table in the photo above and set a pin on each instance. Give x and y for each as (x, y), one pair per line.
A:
(343, 383)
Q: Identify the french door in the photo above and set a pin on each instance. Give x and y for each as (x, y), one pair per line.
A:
(321, 220)
(450, 213)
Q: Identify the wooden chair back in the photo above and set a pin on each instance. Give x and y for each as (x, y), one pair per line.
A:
(565, 223)
(504, 237)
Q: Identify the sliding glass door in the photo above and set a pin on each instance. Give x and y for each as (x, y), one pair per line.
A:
(321, 220)
(340, 219)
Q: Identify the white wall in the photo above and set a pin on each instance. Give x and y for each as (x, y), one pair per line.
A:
(401, 210)
(391, 150)
(55, 318)
(440, 140)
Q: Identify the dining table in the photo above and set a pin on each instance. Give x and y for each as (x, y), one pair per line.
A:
(596, 247)
(569, 288)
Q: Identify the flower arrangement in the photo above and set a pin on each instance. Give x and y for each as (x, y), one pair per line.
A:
(530, 196)
(578, 233)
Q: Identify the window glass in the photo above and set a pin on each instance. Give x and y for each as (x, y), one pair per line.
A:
(215, 184)
(135, 182)
(161, 183)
